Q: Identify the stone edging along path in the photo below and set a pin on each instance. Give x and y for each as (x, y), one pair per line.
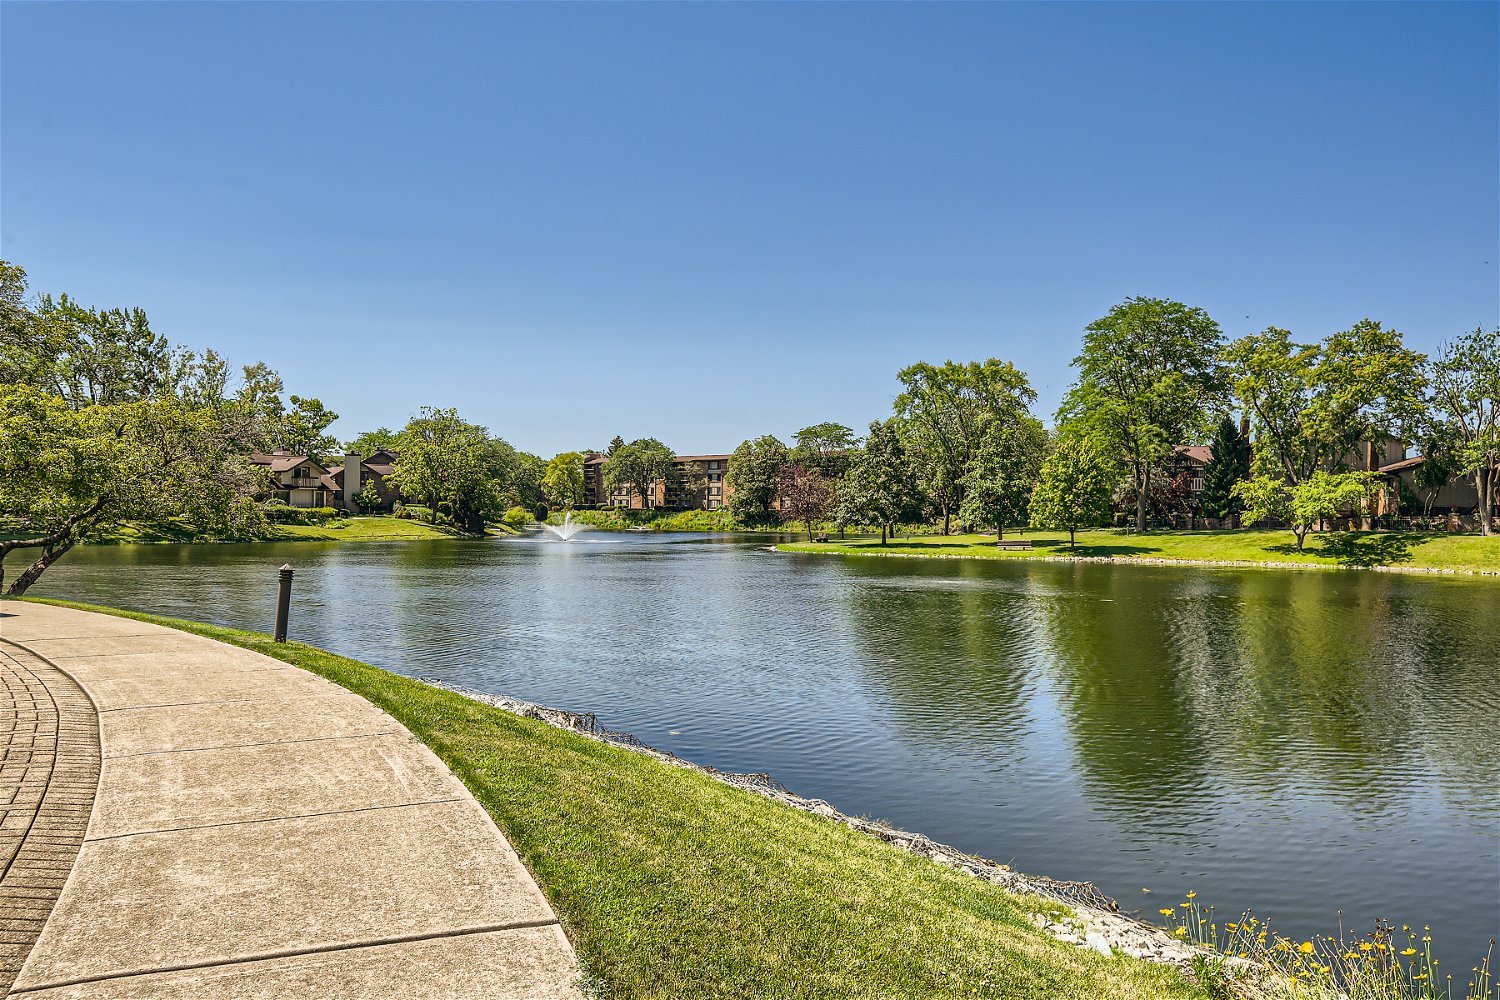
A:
(1151, 561)
(1097, 921)
(256, 831)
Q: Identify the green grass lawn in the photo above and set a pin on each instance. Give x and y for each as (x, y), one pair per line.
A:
(349, 529)
(1344, 548)
(671, 884)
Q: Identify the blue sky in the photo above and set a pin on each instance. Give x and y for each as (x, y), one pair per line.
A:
(708, 222)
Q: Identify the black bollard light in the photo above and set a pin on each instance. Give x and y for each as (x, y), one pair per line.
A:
(283, 601)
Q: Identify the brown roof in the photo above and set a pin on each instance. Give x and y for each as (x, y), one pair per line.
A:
(282, 463)
(704, 458)
(1200, 453)
(329, 484)
(1404, 464)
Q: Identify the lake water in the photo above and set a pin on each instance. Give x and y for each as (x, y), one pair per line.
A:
(1303, 743)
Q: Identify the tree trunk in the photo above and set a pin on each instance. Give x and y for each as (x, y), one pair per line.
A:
(945, 519)
(808, 522)
(1484, 485)
(1143, 487)
(1301, 534)
(34, 572)
(999, 533)
(1072, 541)
(883, 528)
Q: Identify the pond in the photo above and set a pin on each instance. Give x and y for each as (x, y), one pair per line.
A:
(1315, 745)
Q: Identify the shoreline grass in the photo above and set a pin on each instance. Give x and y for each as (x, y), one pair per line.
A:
(1346, 549)
(671, 884)
(342, 529)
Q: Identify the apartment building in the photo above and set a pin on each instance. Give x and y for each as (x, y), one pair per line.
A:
(700, 485)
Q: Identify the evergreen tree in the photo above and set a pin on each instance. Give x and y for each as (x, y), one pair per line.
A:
(1230, 464)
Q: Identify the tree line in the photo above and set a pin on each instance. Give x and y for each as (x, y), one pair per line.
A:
(102, 420)
(963, 444)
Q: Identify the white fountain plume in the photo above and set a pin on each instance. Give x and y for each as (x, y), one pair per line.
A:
(566, 530)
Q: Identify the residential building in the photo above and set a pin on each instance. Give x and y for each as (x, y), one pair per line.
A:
(701, 484)
(300, 481)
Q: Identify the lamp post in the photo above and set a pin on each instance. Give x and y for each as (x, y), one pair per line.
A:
(283, 600)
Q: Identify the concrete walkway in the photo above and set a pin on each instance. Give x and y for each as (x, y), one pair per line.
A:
(256, 832)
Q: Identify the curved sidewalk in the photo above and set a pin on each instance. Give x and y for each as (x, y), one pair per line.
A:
(257, 831)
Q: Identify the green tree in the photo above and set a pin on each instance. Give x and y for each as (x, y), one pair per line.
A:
(946, 410)
(751, 478)
(824, 447)
(104, 421)
(878, 484)
(1312, 404)
(805, 495)
(1465, 413)
(1074, 490)
(562, 482)
(447, 460)
(303, 428)
(1229, 464)
(640, 466)
(368, 498)
(1002, 474)
(523, 482)
(368, 443)
(1147, 374)
(1302, 505)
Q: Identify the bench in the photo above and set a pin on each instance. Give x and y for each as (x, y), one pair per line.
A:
(1013, 543)
(821, 537)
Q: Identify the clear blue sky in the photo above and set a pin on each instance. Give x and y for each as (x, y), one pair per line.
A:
(707, 222)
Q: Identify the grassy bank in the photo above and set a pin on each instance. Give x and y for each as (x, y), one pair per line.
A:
(1416, 550)
(671, 884)
(343, 529)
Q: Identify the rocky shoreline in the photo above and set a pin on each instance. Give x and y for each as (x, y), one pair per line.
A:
(1095, 920)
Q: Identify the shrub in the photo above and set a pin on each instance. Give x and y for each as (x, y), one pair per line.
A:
(517, 516)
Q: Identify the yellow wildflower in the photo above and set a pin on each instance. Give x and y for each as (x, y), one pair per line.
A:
(1306, 947)
(1408, 951)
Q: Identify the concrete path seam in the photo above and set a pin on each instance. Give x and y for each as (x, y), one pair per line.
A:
(288, 953)
(270, 819)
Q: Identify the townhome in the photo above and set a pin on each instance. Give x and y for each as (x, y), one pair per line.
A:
(300, 481)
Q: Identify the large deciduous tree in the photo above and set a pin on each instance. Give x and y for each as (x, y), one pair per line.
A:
(563, 480)
(751, 478)
(1002, 474)
(447, 460)
(946, 410)
(641, 466)
(1147, 374)
(368, 443)
(1312, 405)
(1464, 418)
(824, 447)
(103, 421)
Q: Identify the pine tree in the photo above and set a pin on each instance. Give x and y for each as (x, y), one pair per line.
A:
(1230, 464)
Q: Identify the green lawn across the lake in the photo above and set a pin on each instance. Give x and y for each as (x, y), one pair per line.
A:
(342, 529)
(671, 884)
(1417, 550)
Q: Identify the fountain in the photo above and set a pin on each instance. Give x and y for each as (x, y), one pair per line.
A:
(566, 530)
